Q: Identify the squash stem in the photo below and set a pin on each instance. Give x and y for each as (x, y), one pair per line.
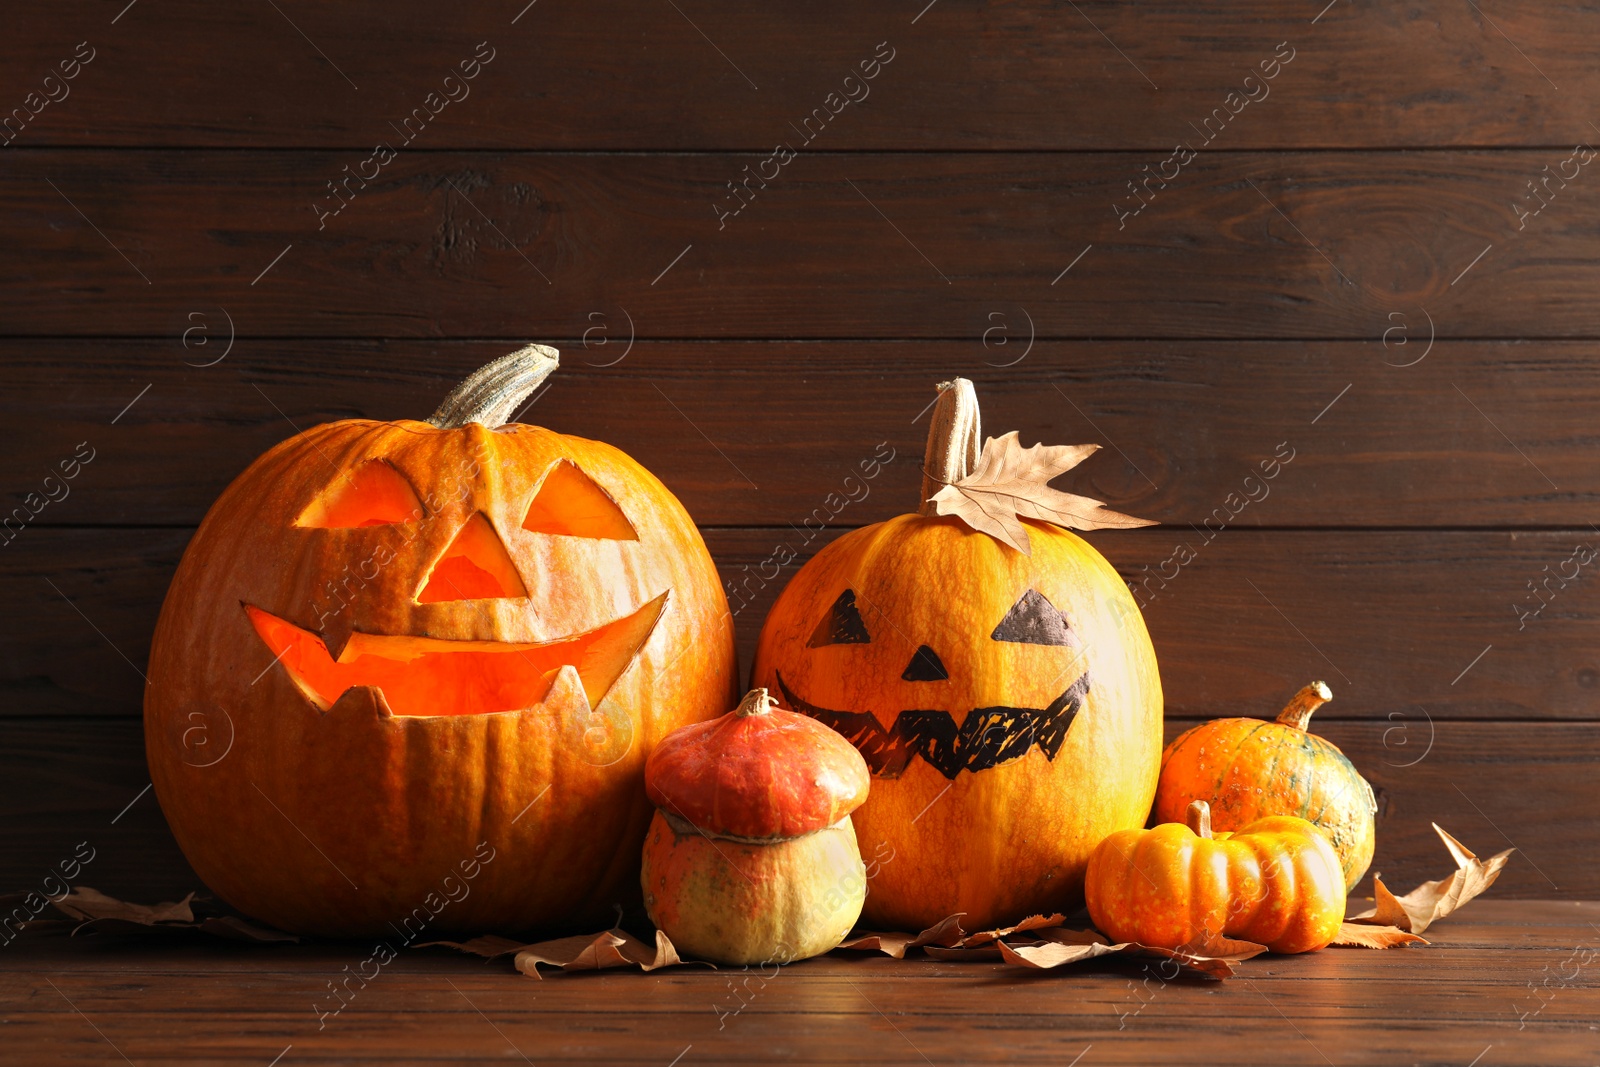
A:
(1198, 818)
(1297, 713)
(492, 394)
(954, 441)
(755, 702)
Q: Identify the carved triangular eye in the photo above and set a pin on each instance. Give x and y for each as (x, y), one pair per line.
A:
(1033, 620)
(842, 624)
(476, 566)
(374, 494)
(570, 504)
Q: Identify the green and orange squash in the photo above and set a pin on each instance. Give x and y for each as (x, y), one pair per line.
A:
(751, 856)
(1246, 769)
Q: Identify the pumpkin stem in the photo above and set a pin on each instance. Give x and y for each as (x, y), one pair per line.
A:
(755, 702)
(1297, 712)
(491, 394)
(953, 440)
(1198, 818)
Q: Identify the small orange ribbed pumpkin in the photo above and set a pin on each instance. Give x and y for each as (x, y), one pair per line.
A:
(751, 857)
(408, 673)
(1246, 769)
(1006, 699)
(1275, 882)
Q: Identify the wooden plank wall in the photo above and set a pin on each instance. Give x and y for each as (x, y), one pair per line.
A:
(1358, 234)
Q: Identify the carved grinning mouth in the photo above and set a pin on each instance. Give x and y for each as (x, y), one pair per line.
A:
(426, 676)
(986, 738)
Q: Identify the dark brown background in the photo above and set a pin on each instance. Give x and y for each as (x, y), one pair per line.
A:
(1306, 258)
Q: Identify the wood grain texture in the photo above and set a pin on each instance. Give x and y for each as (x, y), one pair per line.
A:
(716, 74)
(182, 1002)
(475, 244)
(1183, 424)
(161, 1002)
(63, 782)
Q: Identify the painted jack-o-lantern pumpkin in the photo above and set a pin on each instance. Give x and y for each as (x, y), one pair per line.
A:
(408, 673)
(1000, 684)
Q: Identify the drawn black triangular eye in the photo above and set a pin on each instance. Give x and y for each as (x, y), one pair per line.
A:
(925, 666)
(1033, 620)
(842, 624)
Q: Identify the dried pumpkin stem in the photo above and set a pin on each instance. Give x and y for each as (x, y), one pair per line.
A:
(1198, 818)
(755, 702)
(491, 394)
(1297, 712)
(954, 441)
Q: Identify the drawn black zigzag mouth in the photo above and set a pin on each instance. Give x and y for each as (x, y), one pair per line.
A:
(986, 738)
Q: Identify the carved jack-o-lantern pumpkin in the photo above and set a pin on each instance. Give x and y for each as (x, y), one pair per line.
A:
(1000, 684)
(408, 673)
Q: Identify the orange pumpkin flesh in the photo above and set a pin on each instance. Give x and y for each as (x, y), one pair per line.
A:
(406, 665)
(751, 857)
(1246, 769)
(1009, 706)
(1276, 882)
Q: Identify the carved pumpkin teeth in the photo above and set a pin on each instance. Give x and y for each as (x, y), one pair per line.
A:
(426, 676)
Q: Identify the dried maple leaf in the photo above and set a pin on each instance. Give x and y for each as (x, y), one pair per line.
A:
(598, 952)
(88, 905)
(1040, 943)
(889, 943)
(95, 911)
(1360, 935)
(1432, 901)
(1011, 483)
(946, 933)
(1217, 958)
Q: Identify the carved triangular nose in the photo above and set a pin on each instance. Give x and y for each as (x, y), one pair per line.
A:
(476, 566)
(925, 666)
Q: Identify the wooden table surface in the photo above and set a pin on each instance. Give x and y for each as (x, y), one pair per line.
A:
(1504, 981)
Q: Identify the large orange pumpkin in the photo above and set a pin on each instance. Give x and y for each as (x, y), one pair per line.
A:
(1006, 701)
(408, 673)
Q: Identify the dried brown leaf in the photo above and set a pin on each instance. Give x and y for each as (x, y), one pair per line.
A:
(598, 952)
(1361, 935)
(889, 943)
(1059, 947)
(1040, 943)
(1011, 483)
(93, 911)
(946, 933)
(87, 905)
(1432, 901)
(1032, 922)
